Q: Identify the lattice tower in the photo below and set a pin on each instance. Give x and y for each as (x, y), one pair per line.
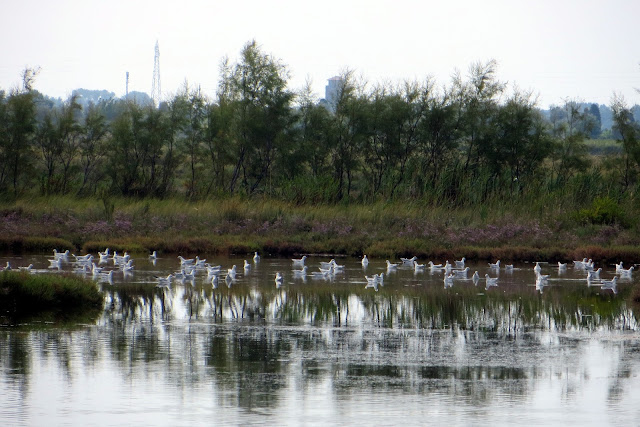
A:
(156, 91)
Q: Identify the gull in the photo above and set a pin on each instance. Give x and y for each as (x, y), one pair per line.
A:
(214, 282)
(95, 269)
(475, 278)
(391, 267)
(278, 279)
(55, 263)
(435, 267)
(256, 257)
(541, 283)
(543, 277)
(460, 263)
(247, 266)
(301, 272)
(447, 267)
(299, 261)
(106, 277)
(461, 274)
(509, 267)
(30, 266)
(611, 284)
(63, 255)
(562, 266)
(213, 270)
(325, 265)
(417, 267)
(365, 261)
(494, 265)
(200, 262)
(618, 267)
(153, 256)
(164, 281)
(491, 281)
(537, 269)
(593, 274)
(625, 272)
(580, 264)
(448, 280)
(408, 261)
(232, 272)
(184, 261)
(336, 267)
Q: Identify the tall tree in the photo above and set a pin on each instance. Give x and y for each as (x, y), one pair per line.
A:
(256, 88)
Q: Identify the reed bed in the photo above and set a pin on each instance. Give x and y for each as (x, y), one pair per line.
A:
(518, 232)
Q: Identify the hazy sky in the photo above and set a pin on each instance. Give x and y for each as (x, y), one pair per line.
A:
(561, 49)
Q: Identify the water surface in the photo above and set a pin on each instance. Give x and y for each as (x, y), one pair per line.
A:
(328, 350)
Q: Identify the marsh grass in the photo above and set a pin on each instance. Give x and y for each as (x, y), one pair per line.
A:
(543, 225)
(24, 292)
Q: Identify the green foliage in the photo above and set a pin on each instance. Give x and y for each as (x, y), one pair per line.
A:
(603, 210)
(32, 292)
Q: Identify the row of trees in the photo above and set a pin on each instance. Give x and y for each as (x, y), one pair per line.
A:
(461, 143)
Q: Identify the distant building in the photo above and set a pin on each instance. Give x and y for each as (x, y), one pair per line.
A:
(332, 92)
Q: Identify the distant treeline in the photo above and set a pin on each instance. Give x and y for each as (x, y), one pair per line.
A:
(461, 144)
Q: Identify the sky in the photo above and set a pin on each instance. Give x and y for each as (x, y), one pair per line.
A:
(559, 50)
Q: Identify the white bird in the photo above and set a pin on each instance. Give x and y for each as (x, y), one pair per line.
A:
(95, 269)
(461, 274)
(247, 266)
(63, 255)
(256, 257)
(435, 267)
(184, 261)
(153, 256)
(299, 261)
(562, 266)
(494, 265)
(213, 270)
(365, 261)
(214, 282)
(278, 279)
(105, 277)
(537, 269)
(417, 267)
(408, 261)
(336, 267)
(55, 263)
(509, 267)
(593, 274)
(579, 264)
(232, 272)
(475, 278)
(618, 267)
(543, 277)
(300, 273)
(448, 280)
(625, 272)
(460, 263)
(164, 281)
(611, 284)
(28, 268)
(391, 266)
(447, 267)
(491, 281)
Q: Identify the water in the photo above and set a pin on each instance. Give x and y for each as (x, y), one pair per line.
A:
(328, 351)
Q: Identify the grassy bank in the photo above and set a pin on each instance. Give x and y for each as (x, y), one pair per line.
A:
(21, 292)
(384, 230)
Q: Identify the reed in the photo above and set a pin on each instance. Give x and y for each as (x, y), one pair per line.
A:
(24, 292)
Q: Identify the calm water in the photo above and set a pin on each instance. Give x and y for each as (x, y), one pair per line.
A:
(328, 350)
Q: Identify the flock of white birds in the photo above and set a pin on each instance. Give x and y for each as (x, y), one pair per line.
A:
(189, 268)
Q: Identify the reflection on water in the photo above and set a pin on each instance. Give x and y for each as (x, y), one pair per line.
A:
(330, 350)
